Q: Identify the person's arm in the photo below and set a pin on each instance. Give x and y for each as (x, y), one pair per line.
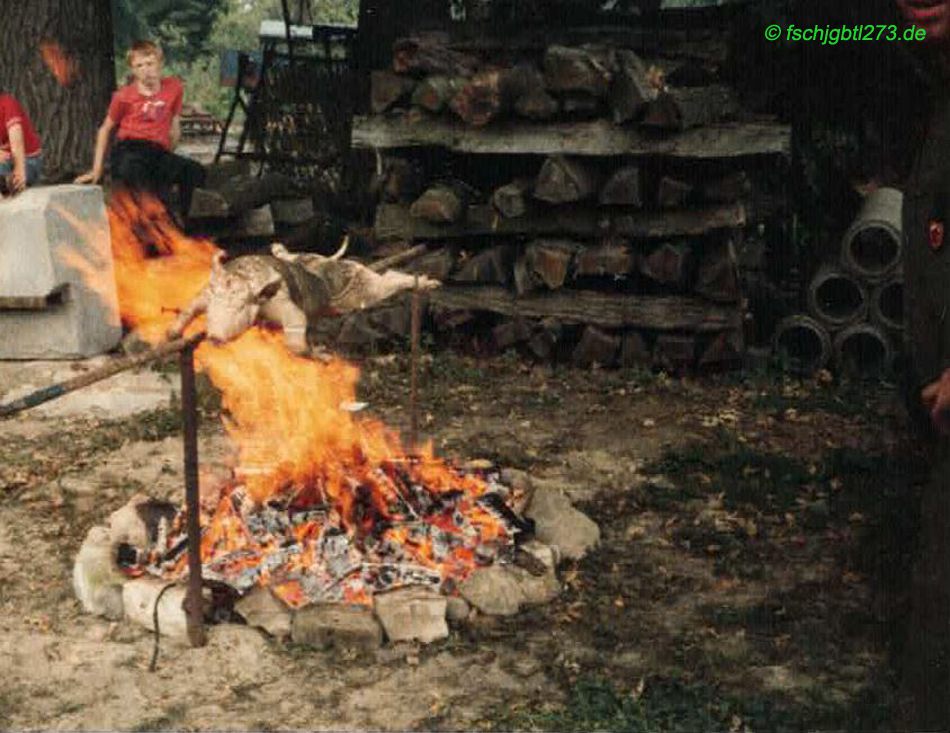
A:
(174, 134)
(99, 157)
(18, 151)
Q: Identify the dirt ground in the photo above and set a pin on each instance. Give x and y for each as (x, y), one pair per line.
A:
(756, 535)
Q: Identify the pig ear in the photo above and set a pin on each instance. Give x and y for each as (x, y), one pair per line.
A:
(217, 267)
(268, 291)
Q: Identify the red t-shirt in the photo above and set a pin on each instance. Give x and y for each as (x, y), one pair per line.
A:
(147, 117)
(11, 113)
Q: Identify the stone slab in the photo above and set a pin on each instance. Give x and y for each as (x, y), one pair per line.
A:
(412, 614)
(331, 625)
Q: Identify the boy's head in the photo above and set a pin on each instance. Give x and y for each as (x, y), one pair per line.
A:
(931, 15)
(145, 61)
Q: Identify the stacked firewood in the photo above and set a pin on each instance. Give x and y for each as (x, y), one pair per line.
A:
(579, 202)
(854, 322)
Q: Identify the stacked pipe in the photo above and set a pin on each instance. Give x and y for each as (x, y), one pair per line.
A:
(855, 305)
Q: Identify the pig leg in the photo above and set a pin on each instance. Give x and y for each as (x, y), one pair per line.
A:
(374, 288)
(194, 309)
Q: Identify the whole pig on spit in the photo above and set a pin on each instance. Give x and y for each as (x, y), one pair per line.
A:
(291, 290)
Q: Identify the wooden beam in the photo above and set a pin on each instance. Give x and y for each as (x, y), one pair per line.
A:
(393, 221)
(598, 138)
(609, 310)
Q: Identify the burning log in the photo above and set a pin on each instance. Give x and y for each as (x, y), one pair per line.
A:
(577, 70)
(238, 195)
(387, 88)
(683, 108)
(622, 188)
(563, 180)
(595, 347)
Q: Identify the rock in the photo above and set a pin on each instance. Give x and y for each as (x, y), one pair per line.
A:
(139, 597)
(334, 625)
(549, 556)
(412, 614)
(259, 608)
(493, 591)
(559, 524)
(535, 589)
(457, 609)
(137, 523)
(96, 578)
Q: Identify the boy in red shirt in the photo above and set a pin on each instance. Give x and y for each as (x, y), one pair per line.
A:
(145, 114)
(21, 157)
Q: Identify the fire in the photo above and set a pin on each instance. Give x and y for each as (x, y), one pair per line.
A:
(63, 66)
(338, 506)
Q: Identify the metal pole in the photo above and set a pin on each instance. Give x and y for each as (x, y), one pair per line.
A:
(416, 326)
(189, 417)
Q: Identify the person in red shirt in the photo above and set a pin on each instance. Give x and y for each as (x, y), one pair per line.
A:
(21, 156)
(145, 117)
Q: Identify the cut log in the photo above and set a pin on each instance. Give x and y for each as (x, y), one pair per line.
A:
(674, 352)
(550, 260)
(430, 54)
(668, 264)
(440, 204)
(435, 92)
(580, 104)
(543, 341)
(563, 180)
(727, 189)
(595, 347)
(634, 351)
(393, 221)
(509, 199)
(630, 90)
(511, 332)
(292, 212)
(672, 193)
(613, 258)
(525, 279)
(490, 95)
(387, 88)
(492, 265)
(576, 70)
(718, 275)
(436, 265)
(598, 138)
(401, 180)
(681, 109)
(622, 188)
(725, 350)
(536, 104)
(608, 310)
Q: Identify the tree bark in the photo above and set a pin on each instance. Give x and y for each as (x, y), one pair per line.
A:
(65, 117)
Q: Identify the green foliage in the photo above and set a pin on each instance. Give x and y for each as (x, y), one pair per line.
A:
(181, 27)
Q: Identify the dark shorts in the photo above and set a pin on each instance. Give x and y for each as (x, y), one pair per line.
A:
(144, 166)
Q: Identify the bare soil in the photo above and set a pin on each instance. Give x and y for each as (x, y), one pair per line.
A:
(757, 534)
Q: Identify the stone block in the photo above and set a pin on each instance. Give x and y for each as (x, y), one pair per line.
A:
(559, 524)
(493, 591)
(333, 625)
(57, 283)
(412, 614)
(97, 580)
(140, 596)
(259, 608)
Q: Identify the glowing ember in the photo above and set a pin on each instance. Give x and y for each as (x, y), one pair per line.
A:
(63, 66)
(323, 505)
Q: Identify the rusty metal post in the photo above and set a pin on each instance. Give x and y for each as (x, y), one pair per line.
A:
(416, 327)
(189, 415)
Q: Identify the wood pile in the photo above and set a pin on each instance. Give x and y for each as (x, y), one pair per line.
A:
(580, 202)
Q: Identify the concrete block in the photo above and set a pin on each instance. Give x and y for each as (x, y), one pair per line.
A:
(140, 596)
(49, 237)
(409, 614)
(333, 625)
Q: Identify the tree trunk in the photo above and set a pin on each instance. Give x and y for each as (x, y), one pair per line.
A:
(65, 117)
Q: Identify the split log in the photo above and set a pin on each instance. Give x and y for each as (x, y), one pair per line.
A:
(634, 351)
(550, 260)
(525, 279)
(836, 298)
(491, 94)
(863, 351)
(668, 264)
(564, 180)
(536, 104)
(401, 180)
(801, 344)
(514, 331)
(608, 310)
(576, 70)
(613, 258)
(622, 188)
(595, 347)
(430, 54)
(580, 104)
(436, 265)
(509, 199)
(725, 350)
(435, 92)
(292, 212)
(597, 138)
(672, 193)
(727, 189)
(544, 340)
(393, 221)
(718, 275)
(440, 204)
(681, 109)
(492, 265)
(674, 352)
(630, 90)
(387, 88)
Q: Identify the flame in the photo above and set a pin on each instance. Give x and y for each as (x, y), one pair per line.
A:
(294, 443)
(63, 66)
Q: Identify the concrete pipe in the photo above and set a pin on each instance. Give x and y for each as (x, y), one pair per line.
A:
(863, 351)
(871, 247)
(887, 304)
(802, 344)
(836, 298)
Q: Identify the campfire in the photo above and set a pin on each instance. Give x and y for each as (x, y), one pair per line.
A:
(322, 504)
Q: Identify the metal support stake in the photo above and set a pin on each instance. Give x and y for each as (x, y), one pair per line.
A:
(189, 414)
(416, 327)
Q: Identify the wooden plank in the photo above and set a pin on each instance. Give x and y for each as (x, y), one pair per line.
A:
(609, 310)
(597, 137)
(393, 221)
